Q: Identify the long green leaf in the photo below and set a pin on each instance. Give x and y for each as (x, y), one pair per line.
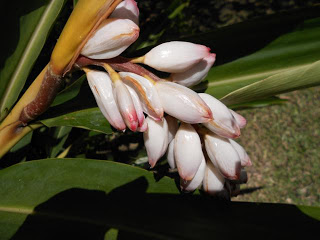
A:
(90, 118)
(296, 78)
(88, 199)
(293, 54)
(27, 25)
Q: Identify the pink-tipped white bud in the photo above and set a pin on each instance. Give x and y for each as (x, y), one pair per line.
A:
(111, 39)
(195, 74)
(213, 181)
(138, 108)
(183, 103)
(223, 156)
(187, 151)
(242, 122)
(147, 93)
(127, 9)
(126, 106)
(245, 159)
(173, 126)
(101, 87)
(155, 139)
(175, 56)
(223, 124)
(170, 156)
(190, 186)
(143, 128)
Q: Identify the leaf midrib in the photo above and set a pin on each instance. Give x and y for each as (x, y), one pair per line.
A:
(25, 55)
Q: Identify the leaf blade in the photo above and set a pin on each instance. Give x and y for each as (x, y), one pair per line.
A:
(287, 53)
(90, 118)
(85, 197)
(35, 27)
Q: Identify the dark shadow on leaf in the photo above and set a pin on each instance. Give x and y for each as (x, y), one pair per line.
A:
(249, 190)
(88, 214)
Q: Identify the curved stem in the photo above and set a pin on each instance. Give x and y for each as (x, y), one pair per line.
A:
(118, 63)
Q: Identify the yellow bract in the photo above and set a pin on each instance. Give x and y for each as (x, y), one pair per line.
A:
(84, 20)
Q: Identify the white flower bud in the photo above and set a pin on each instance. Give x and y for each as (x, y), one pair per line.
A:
(190, 186)
(138, 108)
(144, 127)
(195, 74)
(175, 56)
(155, 139)
(223, 122)
(245, 160)
(147, 93)
(101, 87)
(127, 9)
(187, 151)
(111, 39)
(223, 156)
(170, 155)
(213, 181)
(242, 122)
(125, 104)
(183, 103)
(173, 126)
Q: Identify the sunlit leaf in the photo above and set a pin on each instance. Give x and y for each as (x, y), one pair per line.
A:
(259, 103)
(287, 63)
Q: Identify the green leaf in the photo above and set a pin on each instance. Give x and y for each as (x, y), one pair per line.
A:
(26, 28)
(274, 69)
(89, 118)
(259, 103)
(90, 199)
(293, 79)
(60, 135)
(69, 92)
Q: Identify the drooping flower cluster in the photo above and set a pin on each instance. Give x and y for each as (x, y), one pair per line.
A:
(194, 131)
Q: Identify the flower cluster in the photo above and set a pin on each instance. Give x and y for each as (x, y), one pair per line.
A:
(194, 131)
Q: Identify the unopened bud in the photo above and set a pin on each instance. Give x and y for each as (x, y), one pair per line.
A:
(213, 181)
(175, 56)
(170, 155)
(195, 74)
(101, 87)
(111, 39)
(245, 160)
(183, 103)
(223, 156)
(173, 126)
(195, 182)
(242, 122)
(127, 9)
(223, 123)
(126, 105)
(137, 105)
(187, 151)
(147, 93)
(155, 139)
